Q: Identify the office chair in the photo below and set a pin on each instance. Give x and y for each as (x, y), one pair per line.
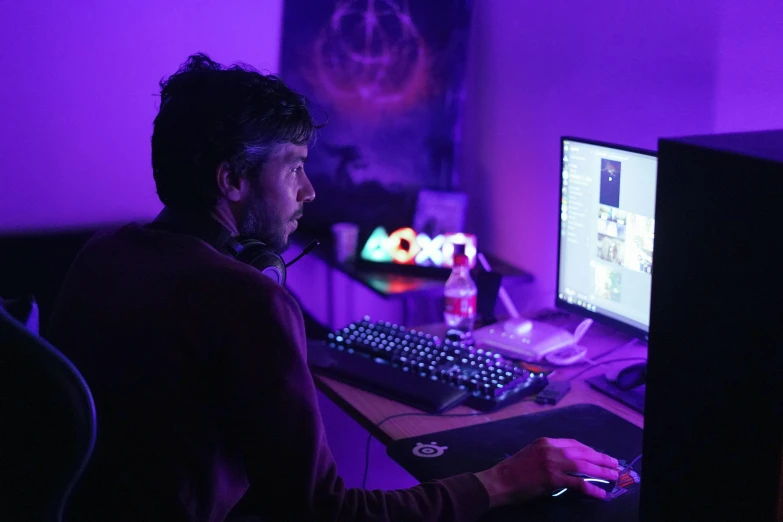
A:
(47, 425)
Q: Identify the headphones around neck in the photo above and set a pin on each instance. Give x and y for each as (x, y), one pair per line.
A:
(258, 255)
(247, 250)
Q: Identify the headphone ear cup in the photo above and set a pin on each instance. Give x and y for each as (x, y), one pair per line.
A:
(261, 257)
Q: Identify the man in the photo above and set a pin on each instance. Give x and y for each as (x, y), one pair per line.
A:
(197, 360)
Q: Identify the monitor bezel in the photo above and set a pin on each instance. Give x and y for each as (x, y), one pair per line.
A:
(562, 304)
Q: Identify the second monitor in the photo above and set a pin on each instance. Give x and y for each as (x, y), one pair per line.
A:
(607, 231)
(605, 251)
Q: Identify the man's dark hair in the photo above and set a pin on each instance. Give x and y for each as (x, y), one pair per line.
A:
(210, 114)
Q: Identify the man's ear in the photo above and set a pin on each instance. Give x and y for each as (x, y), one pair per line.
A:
(232, 186)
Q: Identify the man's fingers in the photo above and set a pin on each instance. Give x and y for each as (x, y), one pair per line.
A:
(588, 468)
(574, 449)
(588, 454)
(561, 443)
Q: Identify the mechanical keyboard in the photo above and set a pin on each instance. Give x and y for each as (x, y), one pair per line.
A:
(422, 370)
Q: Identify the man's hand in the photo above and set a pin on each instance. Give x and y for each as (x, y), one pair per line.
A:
(542, 467)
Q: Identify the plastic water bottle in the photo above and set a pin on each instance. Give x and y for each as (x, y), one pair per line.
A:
(460, 293)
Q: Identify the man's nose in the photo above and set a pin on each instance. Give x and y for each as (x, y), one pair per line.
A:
(306, 192)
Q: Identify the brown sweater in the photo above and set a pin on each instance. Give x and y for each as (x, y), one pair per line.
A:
(203, 396)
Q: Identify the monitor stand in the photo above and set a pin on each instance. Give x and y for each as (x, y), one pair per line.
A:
(634, 398)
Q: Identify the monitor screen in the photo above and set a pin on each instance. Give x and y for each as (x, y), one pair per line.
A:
(607, 228)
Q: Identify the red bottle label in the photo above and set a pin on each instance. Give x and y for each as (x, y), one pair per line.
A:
(462, 306)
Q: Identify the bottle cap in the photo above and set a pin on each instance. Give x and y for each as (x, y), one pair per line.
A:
(461, 260)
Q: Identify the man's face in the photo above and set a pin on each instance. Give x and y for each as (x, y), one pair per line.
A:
(277, 197)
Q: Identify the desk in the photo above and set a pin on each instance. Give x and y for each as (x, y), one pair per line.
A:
(369, 409)
(385, 282)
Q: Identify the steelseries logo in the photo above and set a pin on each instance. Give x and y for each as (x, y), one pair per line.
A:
(429, 450)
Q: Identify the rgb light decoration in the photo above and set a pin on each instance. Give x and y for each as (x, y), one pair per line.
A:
(405, 246)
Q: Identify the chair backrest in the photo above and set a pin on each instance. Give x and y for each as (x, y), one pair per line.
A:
(47, 425)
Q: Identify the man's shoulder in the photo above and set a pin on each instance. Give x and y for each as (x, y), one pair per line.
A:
(251, 301)
(244, 285)
(106, 234)
(206, 270)
(253, 288)
(111, 237)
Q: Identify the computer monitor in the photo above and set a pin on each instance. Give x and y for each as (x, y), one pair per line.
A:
(606, 233)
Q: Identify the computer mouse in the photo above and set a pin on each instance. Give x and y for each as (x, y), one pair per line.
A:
(629, 377)
(606, 485)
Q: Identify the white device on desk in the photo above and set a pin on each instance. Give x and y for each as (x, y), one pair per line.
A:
(533, 341)
(527, 339)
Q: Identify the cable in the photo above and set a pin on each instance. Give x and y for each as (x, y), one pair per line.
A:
(609, 352)
(413, 414)
(602, 363)
(618, 347)
(591, 362)
(634, 461)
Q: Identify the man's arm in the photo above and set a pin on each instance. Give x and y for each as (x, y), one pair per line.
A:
(278, 428)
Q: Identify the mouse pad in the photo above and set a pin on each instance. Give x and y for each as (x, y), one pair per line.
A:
(475, 448)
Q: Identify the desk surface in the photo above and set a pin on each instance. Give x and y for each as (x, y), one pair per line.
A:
(369, 409)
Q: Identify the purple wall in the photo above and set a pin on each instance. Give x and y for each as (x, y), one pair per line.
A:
(617, 71)
(750, 71)
(78, 80)
(628, 72)
(77, 104)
